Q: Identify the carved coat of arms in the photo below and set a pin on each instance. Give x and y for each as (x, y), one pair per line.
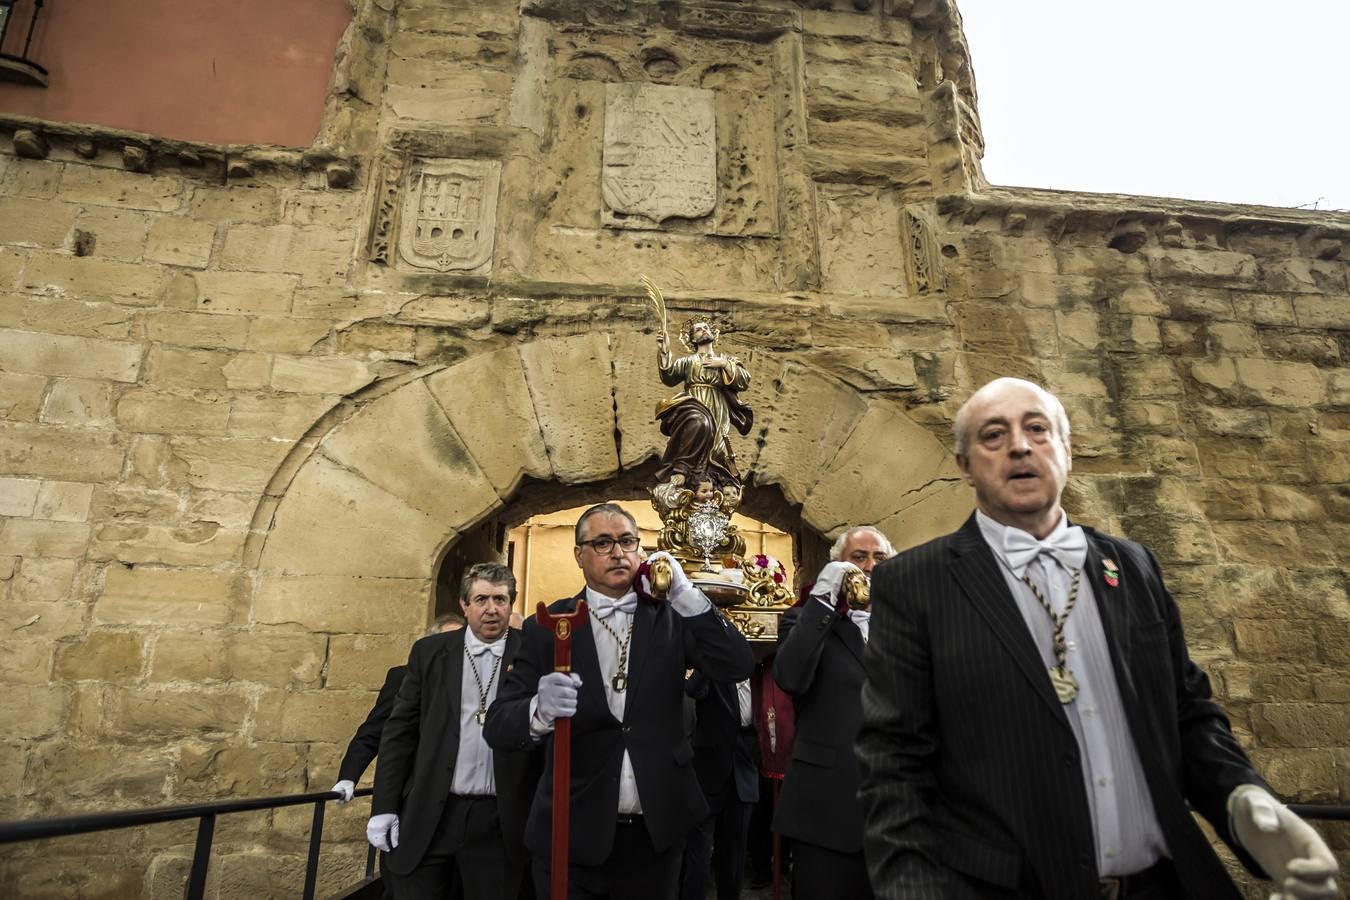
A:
(660, 156)
(449, 214)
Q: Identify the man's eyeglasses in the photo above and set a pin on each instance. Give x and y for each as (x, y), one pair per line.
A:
(602, 545)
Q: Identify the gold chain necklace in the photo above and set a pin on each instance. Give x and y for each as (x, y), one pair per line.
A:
(1065, 685)
(620, 680)
(481, 716)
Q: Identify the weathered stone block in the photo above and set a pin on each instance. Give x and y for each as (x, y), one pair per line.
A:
(64, 501)
(18, 496)
(112, 656)
(344, 603)
(362, 660)
(1263, 309)
(318, 255)
(160, 413)
(72, 357)
(142, 595)
(1288, 503)
(190, 544)
(286, 335)
(320, 374)
(44, 580)
(189, 658)
(286, 416)
(24, 661)
(1322, 311)
(1301, 724)
(236, 203)
(116, 233)
(311, 716)
(36, 223)
(174, 368)
(21, 396)
(576, 417)
(89, 278)
(229, 464)
(1273, 640)
(245, 292)
(277, 659)
(146, 712)
(429, 469)
(30, 537)
(910, 452)
(211, 770)
(1212, 268)
(433, 91)
(795, 454)
(180, 242)
(190, 329)
(56, 315)
(1233, 338)
(860, 234)
(1280, 383)
(1299, 776)
(110, 187)
(334, 522)
(33, 710)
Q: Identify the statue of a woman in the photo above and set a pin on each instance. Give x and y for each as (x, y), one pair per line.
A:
(698, 420)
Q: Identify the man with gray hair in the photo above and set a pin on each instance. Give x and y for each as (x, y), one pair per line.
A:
(445, 802)
(1032, 723)
(819, 662)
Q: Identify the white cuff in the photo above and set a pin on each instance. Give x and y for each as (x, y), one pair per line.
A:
(690, 601)
(538, 729)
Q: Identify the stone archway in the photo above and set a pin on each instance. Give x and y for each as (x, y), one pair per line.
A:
(354, 541)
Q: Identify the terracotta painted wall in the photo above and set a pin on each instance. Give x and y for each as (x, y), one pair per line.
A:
(243, 72)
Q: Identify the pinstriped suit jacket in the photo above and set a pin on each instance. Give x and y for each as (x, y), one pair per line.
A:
(971, 783)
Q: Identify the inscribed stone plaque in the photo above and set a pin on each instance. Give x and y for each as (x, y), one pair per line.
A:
(660, 159)
(449, 214)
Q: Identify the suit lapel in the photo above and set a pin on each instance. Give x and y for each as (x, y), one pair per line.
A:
(451, 660)
(586, 660)
(1113, 607)
(977, 571)
(851, 635)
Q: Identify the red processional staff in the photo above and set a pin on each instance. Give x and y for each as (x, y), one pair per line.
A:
(562, 625)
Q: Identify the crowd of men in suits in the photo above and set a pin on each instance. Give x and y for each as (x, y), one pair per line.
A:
(1015, 715)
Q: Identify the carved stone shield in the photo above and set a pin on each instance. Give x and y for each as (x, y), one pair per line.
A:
(450, 214)
(660, 157)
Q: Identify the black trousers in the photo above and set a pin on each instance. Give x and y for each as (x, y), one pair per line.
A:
(715, 851)
(467, 842)
(635, 870)
(819, 873)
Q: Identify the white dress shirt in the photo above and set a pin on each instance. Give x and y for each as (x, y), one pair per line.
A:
(473, 760)
(1125, 825)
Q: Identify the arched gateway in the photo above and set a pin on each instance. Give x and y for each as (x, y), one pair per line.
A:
(358, 516)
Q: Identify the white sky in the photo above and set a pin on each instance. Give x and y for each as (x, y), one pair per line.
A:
(1232, 100)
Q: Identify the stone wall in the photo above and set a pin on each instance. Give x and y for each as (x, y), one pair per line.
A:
(249, 396)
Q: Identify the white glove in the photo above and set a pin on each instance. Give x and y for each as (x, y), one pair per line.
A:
(382, 831)
(1294, 855)
(830, 579)
(347, 789)
(557, 697)
(684, 598)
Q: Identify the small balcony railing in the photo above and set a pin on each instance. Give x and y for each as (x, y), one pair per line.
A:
(18, 67)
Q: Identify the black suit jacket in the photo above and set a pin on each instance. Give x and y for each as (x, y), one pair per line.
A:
(971, 774)
(664, 645)
(420, 745)
(820, 663)
(725, 755)
(365, 744)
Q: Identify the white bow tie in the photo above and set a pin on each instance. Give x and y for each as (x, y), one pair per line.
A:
(627, 603)
(478, 648)
(1068, 546)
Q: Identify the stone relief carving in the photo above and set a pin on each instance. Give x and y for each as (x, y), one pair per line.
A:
(386, 209)
(660, 155)
(449, 215)
(923, 254)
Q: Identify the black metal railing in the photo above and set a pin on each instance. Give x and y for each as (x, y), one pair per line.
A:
(7, 18)
(205, 814)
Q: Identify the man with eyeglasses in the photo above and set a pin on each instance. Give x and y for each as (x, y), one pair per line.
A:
(634, 794)
(444, 800)
(820, 663)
